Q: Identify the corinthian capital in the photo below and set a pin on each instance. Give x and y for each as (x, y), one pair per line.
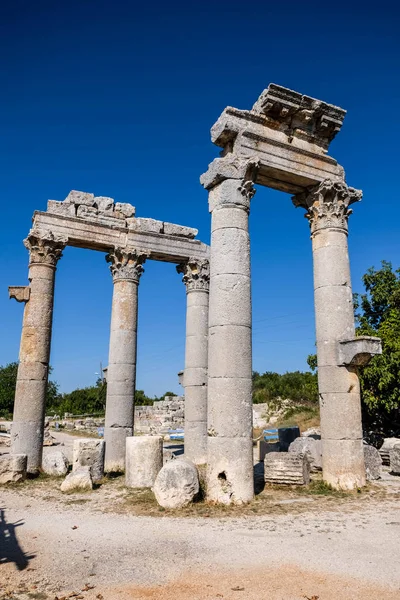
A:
(196, 274)
(126, 263)
(44, 247)
(327, 204)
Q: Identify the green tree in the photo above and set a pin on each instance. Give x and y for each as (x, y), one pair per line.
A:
(300, 387)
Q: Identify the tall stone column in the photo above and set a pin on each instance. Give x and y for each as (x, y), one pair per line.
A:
(196, 277)
(45, 250)
(126, 268)
(230, 453)
(327, 208)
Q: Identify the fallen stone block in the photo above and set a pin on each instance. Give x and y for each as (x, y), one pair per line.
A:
(286, 468)
(89, 453)
(394, 455)
(13, 468)
(388, 444)
(78, 480)
(177, 484)
(312, 448)
(144, 460)
(55, 464)
(373, 463)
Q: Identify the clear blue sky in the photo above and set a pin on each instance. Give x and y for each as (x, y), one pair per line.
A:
(117, 98)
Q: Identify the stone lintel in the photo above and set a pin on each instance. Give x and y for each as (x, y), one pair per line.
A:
(96, 235)
(21, 293)
(358, 351)
(289, 133)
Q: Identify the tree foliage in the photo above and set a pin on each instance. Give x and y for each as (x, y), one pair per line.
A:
(300, 387)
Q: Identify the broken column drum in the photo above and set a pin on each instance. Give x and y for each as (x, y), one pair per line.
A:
(285, 136)
(230, 452)
(45, 249)
(126, 268)
(196, 277)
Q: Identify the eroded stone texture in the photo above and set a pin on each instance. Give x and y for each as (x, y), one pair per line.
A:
(45, 249)
(126, 266)
(373, 463)
(196, 277)
(394, 456)
(286, 468)
(327, 207)
(89, 453)
(384, 451)
(12, 468)
(311, 448)
(55, 464)
(177, 484)
(144, 460)
(230, 453)
(79, 480)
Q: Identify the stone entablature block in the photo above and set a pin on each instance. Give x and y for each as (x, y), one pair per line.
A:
(21, 293)
(358, 351)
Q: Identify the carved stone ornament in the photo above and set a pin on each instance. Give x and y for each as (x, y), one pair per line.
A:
(20, 293)
(196, 274)
(327, 204)
(44, 247)
(127, 263)
(230, 166)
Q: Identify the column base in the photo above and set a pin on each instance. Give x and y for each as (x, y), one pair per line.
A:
(115, 439)
(343, 464)
(230, 472)
(27, 438)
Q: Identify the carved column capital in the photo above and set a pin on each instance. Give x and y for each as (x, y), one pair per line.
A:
(327, 205)
(44, 247)
(196, 274)
(127, 263)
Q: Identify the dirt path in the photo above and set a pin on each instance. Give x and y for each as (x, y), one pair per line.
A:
(323, 550)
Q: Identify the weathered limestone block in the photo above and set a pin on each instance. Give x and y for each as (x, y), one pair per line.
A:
(314, 432)
(177, 484)
(180, 230)
(286, 468)
(79, 198)
(124, 210)
(87, 212)
(388, 444)
(373, 463)
(394, 455)
(89, 453)
(104, 205)
(61, 208)
(145, 225)
(12, 468)
(21, 293)
(311, 448)
(79, 480)
(144, 460)
(55, 463)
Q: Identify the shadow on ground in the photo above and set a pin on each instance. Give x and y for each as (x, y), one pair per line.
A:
(10, 549)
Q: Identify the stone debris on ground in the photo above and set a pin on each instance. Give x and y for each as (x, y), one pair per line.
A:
(177, 484)
(79, 480)
(384, 450)
(55, 464)
(12, 468)
(394, 455)
(286, 468)
(312, 448)
(373, 463)
(90, 453)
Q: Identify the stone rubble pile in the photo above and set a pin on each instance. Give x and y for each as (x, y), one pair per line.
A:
(161, 417)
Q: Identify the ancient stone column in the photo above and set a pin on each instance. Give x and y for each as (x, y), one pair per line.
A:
(196, 277)
(45, 250)
(339, 390)
(230, 453)
(126, 268)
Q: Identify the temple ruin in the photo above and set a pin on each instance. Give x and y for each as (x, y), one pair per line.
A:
(281, 143)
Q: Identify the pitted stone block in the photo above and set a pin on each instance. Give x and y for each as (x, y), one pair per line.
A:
(286, 468)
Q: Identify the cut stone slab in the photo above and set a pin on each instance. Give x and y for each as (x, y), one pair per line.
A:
(144, 460)
(388, 444)
(12, 468)
(177, 484)
(124, 209)
(180, 230)
(78, 480)
(89, 453)
(373, 463)
(286, 468)
(312, 448)
(394, 455)
(55, 463)
(75, 197)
